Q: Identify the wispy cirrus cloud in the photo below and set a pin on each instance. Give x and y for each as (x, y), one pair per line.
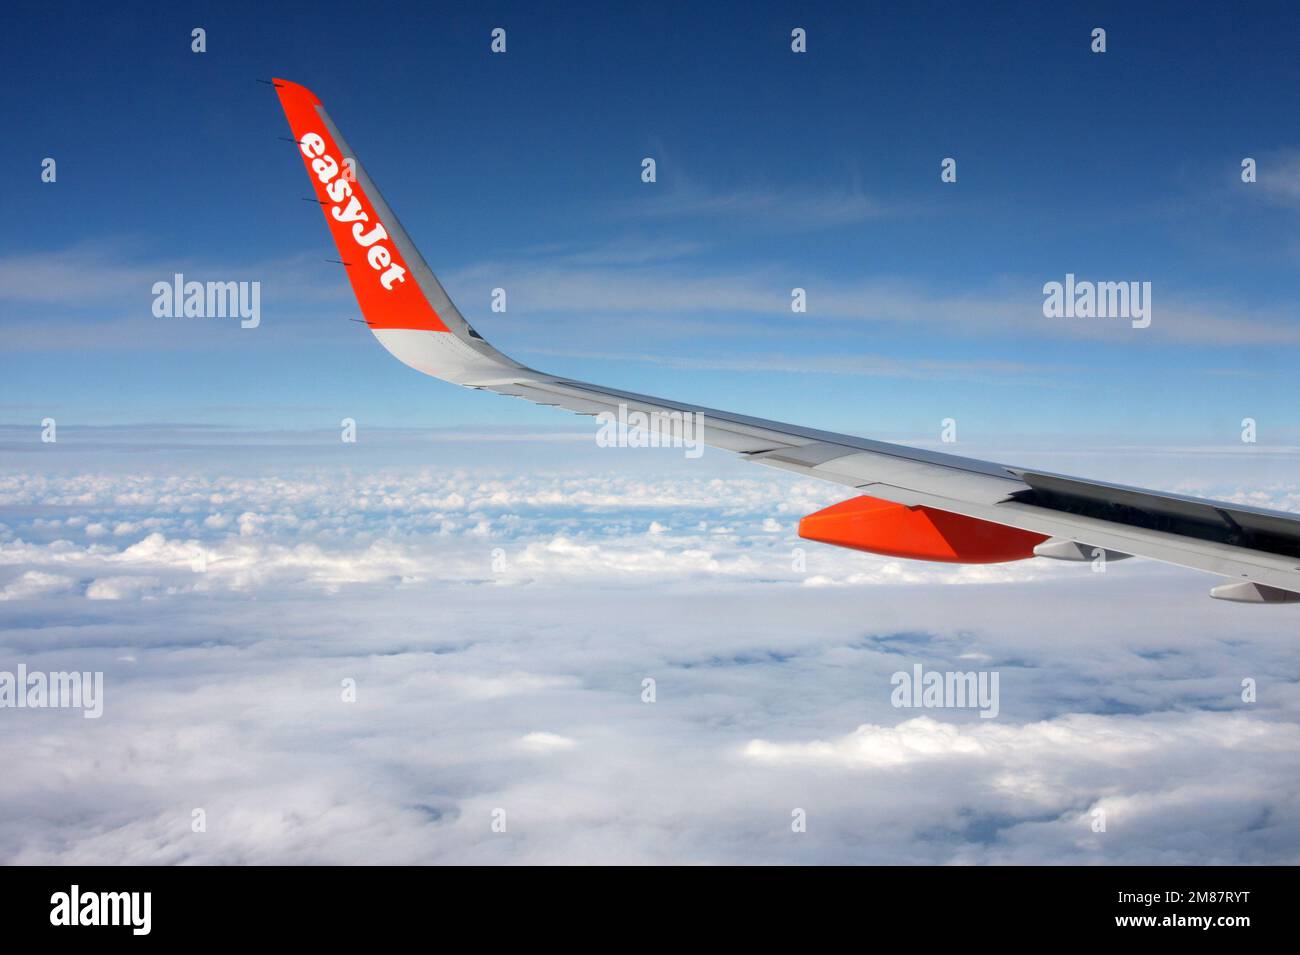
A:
(1009, 306)
(106, 302)
(101, 273)
(678, 194)
(989, 371)
(766, 206)
(1278, 174)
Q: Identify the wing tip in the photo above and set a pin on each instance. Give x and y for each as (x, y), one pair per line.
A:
(288, 89)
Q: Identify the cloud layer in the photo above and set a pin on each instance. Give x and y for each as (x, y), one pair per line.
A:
(500, 636)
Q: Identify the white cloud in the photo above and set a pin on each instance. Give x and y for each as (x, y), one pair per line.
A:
(522, 688)
(121, 588)
(1028, 749)
(35, 583)
(546, 742)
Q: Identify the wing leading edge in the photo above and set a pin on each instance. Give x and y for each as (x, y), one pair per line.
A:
(1002, 512)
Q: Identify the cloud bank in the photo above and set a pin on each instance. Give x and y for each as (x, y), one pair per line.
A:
(449, 662)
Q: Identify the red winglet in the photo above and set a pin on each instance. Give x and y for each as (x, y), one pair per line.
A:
(385, 288)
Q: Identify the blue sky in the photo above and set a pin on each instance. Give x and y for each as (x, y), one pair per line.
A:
(775, 170)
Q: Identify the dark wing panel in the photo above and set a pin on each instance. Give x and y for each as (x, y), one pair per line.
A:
(1272, 532)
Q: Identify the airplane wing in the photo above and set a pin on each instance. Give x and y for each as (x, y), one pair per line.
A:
(910, 502)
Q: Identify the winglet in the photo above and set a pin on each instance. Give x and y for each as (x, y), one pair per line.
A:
(380, 275)
(401, 299)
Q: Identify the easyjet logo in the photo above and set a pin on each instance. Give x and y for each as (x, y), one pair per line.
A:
(347, 209)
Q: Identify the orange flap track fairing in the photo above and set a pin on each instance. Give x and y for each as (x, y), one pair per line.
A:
(918, 533)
